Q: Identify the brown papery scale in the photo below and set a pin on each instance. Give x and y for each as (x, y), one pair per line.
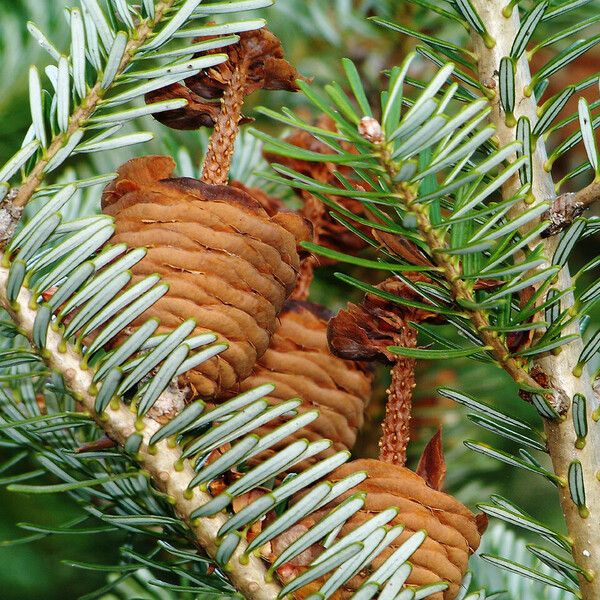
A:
(216, 95)
(229, 264)
(300, 365)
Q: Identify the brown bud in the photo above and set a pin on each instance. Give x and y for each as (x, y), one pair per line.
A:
(371, 130)
(103, 443)
(564, 210)
(229, 265)
(402, 247)
(198, 112)
(432, 465)
(9, 216)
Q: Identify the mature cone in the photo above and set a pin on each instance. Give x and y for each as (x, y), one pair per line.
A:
(453, 531)
(300, 364)
(230, 266)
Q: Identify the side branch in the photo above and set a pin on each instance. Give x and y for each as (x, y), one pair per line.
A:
(567, 207)
(460, 291)
(119, 424)
(88, 106)
(588, 195)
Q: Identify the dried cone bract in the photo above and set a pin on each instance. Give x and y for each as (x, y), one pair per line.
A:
(300, 364)
(453, 531)
(230, 265)
(259, 54)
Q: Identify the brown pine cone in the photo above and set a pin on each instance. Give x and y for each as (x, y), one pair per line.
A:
(453, 531)
(300, 364)
(229, 264)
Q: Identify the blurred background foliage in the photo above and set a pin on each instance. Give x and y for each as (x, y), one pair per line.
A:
(315, 34)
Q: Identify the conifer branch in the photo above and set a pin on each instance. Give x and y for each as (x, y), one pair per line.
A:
(558, 369)
(89, 104)
(588, 195)
(451, 271)
(163, 462)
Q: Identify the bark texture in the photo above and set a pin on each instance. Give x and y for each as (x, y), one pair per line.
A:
(558, 369)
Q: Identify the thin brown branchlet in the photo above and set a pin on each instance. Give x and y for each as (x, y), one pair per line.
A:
(568, 207)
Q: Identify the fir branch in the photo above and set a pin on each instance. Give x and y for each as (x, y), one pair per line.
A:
(461, 292)
(163, 461)
(89, 103)
(588, 195)
(561, 434)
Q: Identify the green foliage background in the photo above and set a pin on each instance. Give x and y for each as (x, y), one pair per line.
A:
(315, 45)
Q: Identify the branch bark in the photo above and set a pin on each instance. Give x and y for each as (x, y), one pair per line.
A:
(567, 207)
(119, 424)
(561, 435)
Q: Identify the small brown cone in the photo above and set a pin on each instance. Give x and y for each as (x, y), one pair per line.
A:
(453, 531)
(300, 364)
(230, 265)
